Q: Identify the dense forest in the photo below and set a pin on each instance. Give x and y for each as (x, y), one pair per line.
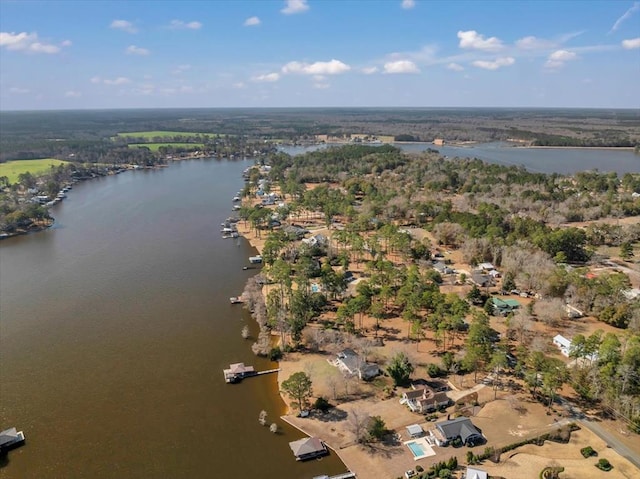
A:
(89, 133)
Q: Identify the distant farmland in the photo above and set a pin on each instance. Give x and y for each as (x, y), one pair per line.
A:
(12, 169)
(156, 146)
(150, 135)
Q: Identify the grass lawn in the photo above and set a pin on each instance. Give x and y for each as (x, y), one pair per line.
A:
(156, 146)
(12, 169)
(149, 135)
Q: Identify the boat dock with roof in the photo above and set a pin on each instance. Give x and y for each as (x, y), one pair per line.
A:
(238, 371)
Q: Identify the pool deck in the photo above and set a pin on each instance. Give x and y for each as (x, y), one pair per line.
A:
(424, 445)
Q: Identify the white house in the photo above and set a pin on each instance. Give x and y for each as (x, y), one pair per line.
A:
(473, 473)
(351, 364)
(563, 343)
(486, 266)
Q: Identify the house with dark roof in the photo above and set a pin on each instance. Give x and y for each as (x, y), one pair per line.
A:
(482, 280)
(459, 428)
(308, 448)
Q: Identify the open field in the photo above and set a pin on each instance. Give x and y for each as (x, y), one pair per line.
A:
(156, 146)
(157, 134)
(12, 169)
(162, 134)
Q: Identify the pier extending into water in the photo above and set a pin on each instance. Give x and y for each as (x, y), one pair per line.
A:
(238, 371)
(346, 475)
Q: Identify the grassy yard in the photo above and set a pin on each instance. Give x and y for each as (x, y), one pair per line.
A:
(149, 135)
(12, 169)
(156, 146)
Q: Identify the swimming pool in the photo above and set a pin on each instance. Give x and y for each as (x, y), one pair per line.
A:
(416, 449)
(420, 448)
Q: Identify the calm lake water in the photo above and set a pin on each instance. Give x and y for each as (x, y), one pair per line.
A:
(539, 160)
(116, 326)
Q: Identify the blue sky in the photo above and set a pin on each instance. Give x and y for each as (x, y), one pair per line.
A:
(319, 53)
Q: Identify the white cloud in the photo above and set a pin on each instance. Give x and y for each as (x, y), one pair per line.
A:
(18, 90)
(559, 57)
(295, 6)
(455, 67)
(401, 66)
(134, 50)
(180, 25)
(269, 77)
(475, 41)
(533, 43)
(116, 81)
(239, 85)
(181, 69)
(72, 94)
(631, 43)
(494, 65)
(124, 25)
(321, 86)
(625, 16)
(252, 21)
(369, 70)
(26, 42)
(95, 80)
(66, 43)
(333, 67)
(408, 4)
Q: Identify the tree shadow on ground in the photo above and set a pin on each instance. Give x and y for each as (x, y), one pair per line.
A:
(382, 449)
(332, 415)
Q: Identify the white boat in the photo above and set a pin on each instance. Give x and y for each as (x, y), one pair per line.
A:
(255, 259)
(10, 438)
(235, 300)
(236, 198)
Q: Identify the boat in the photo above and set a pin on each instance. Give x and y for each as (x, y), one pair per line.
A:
(236, 198)
(10, 438)
(235, 300)
(255, 259)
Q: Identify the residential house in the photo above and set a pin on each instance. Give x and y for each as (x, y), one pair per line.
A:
(295, 231)
(442, 268)
(424, 399)
(563, 343)
(502, 307)
(482, 280)
(319, 240)
(473, 473)
(351, 364)
(486, 267)
(459, 428)
(308, 448)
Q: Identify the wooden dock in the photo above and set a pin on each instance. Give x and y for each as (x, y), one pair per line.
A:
(237, 372)
(346, 475)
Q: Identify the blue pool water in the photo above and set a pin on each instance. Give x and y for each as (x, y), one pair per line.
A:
(416, 449)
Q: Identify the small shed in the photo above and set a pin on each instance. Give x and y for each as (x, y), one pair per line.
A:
(415, 430)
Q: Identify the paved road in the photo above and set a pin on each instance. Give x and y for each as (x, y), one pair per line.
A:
(611, 441)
